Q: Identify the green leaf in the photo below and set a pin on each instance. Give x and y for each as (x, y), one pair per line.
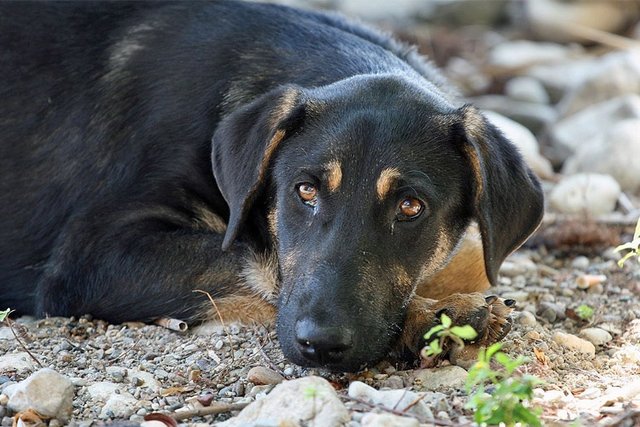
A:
(628, 255)
(524, 415)
(636, 235)
(465, 332)
(445, 320)
(4, 314)
(584, 312)
(493, 349)
(433, 331)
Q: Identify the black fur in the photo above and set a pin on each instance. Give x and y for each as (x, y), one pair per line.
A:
(110, 116)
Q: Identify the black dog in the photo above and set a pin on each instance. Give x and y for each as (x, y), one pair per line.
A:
(345, 175)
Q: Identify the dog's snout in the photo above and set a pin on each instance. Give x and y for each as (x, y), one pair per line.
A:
(323, 344)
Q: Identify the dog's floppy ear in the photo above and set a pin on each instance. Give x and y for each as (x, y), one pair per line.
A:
(507, 198)
(243, 146)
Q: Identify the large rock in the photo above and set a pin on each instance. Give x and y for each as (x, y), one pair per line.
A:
(401, 400)
(615, 152)
(527, 89)
(554, 19)
(518, 54)
(574, 343)
(119, 406)
(559, 78)
(590, 194)
(446, 377)
(311, 399)
(19, 362)
(578, 129)
(615, 74)
(525, 141)
(46, 392)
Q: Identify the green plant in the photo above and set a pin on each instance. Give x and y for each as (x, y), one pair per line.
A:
(505, 403)
(445, 331)
(584, 312)
(4, 314)
(633, 246)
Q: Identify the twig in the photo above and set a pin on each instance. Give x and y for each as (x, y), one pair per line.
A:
(224, 327)
(173, 324)
(213, 409)
(24, 347)
(598, 36)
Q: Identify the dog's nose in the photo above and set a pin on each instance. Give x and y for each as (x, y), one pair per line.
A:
(322, 344)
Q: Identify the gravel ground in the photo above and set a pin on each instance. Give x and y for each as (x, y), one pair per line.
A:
(153, 369)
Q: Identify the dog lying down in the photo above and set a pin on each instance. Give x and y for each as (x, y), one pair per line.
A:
(301, 168)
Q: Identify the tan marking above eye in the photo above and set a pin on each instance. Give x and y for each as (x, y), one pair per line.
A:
(334, 175)
(386, 181)
(308, 193)
(410, 208)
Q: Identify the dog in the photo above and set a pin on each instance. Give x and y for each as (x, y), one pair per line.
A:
(301, 168)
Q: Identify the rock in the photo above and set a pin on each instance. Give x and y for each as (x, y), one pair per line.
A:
(569, 134)
(518, 54)
(559, 78)
(596, 336)
(6, 334)
(102, 390)
(260, 375)
(549, 19)
(535, 117)
(372, 419)
(580, 262)
(444, 377)
(525, 141)
(45, 391)
(311, 399)
(19, 362)
(615, 152)
(147, 379)
(398, 399)
(551, 312)
(527, 89)
(587, 193)
(616, 74)
(574, 343)
(526, 318)
(393, 382)
(120, 405)
(518, 296)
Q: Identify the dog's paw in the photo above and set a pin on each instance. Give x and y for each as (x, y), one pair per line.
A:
(488, 316)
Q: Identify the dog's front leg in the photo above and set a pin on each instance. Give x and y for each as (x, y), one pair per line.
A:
(489, 317)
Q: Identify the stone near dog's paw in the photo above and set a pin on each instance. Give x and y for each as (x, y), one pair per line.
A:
(400, 400)
(574, 343)
(445, 377)
(47, 392)
(311, 399)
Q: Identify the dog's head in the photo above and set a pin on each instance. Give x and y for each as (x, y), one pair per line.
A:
(364, 186)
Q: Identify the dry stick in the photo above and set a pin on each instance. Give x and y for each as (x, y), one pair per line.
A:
(213, 409)
(224, 327)
(24, 347)
(603, 37)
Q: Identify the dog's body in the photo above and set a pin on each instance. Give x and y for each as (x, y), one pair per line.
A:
(344, 175)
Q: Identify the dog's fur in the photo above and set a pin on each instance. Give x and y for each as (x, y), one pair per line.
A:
(150, 149)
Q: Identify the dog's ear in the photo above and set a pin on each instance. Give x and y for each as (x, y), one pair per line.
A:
(243, 147)
(507, 198)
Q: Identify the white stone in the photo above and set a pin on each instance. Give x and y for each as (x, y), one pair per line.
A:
(6, 334)
(311, 399)
(45, 391)
(574, 343)
(19, 362)
(559, 78)
(118, 406)
(571, 133)
(445, 377)
(519, 54)
(372, 419)
(525, 141)
(615, 152)
(590, 194)
(528, 89)
(526, 318)
(399, 399)
(550, 19)
(148, 380)
(102, 390)
(596, 336)
(615, 74)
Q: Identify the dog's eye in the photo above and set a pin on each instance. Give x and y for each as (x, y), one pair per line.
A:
(308, 193)
(410, 208)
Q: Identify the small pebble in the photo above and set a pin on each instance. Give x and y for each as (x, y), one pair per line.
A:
(574, 343)
(596, 336)
(261, 375)
(526, 318)
(580, 262)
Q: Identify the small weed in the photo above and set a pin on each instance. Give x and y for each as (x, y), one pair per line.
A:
(584, 312)
(445, 331)
(504, 404)
(633, 247)
(4, 314)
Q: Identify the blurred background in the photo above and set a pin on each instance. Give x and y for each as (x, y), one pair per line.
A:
(561, 78)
